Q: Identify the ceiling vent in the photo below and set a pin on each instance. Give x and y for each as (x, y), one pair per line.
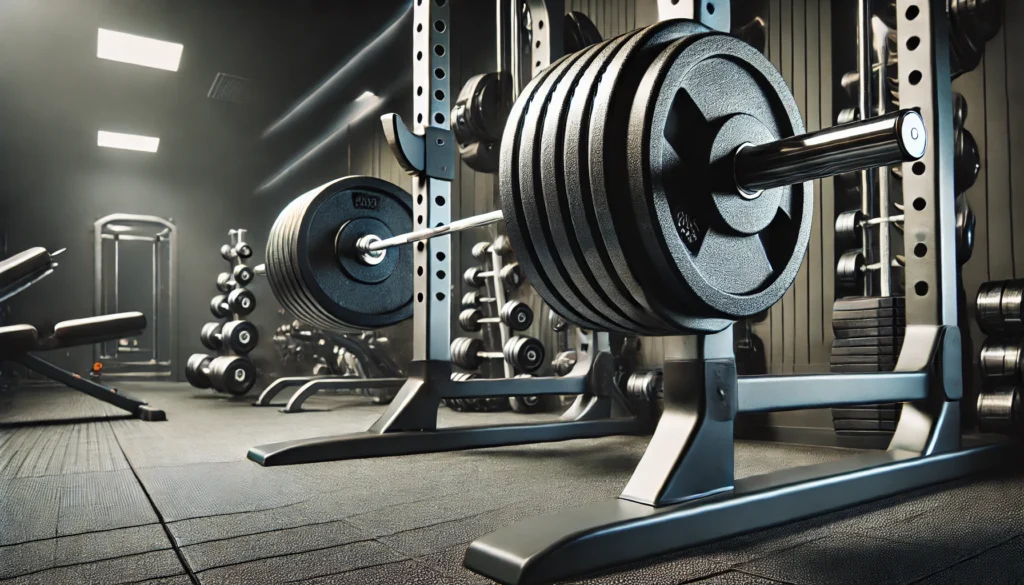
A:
(229, 88)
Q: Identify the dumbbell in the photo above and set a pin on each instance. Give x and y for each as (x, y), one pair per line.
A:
(460, 404)
(848, 227)
(473, 300)
(240, 301)
(563, 363)
(515, 314)
(510, 274)
(1001, 362)
(646, 388)
(240, 336)
(525, 353)
(242, 274)
(481, 250)
(966, 160)
(225, 283)
(850, 269)
(999, 411)
(232, 374)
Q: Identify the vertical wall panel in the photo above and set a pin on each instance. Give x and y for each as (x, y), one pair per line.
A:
(826, 200)
(1014, 56)
(994, 148)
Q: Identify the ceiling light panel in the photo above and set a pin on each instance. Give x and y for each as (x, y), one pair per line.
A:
(127, 141)
(126, 48)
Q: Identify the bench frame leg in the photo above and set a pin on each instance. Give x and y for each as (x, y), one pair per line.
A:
(137, 408)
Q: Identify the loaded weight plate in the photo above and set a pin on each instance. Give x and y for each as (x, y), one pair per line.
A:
(314, 271)
(685, 131)
(512, 211)
(869, 314)
(554, 251)
(564, 179)
(875, 332)
(868, 323)
(867, 341)
(862, 303)
(864, 425)
(540, 187)
(605, 144)
(880, 413)
(864, 350)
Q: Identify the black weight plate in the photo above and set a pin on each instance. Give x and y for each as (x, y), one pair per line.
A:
(606, 151)
(888, 360)
(573, 189)
(864, 425)
(511, 207)
(859, 368)
(861, 303)
(340, 293)
(869, 314)
(534, 211)
(586, 276)
(874, 332)
(864, 350)
(868, 341)
(868, 323)
(716, 253)
(881, 413)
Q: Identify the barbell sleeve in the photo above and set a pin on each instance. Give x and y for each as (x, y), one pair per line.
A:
(876, 142)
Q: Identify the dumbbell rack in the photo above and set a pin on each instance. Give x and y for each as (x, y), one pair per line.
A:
(231, 371)
(1000, 309)
(410, 423)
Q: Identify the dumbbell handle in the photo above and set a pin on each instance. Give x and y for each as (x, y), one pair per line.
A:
(489, 320)
(494, 355)
(260, 269)
(875, 142)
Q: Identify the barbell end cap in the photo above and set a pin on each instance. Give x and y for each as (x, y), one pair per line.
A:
(913, 137)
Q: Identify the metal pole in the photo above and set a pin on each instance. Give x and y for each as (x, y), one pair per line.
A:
(373, 244)
(155, 324)
(499, 295)
(867, 176)
(880, 32)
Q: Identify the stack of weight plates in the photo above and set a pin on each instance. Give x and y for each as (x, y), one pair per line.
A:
(869, 334)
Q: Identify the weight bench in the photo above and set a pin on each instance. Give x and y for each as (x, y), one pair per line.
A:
(17, 341)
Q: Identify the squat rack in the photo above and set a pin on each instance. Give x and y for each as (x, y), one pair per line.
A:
(683, 492)
(410, 423)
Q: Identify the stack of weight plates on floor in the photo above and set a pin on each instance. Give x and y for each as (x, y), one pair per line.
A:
(1000, 309)
(869, 335)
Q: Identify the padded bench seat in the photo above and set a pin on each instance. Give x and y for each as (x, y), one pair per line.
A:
(23, 267)
(17, 338)
(97, 329)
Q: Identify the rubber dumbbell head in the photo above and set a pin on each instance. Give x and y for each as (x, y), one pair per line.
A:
(210, 336)
(965, 225)
(471, 300)
(525, 353)
(563, 363)
(224, 282)
(848, 227)
(473, 278)
(511, 275)
(232, 374)
(196, 370)
(466, 352)
(242, 274)
(850, 269)
(240, 336)
(966, 160)
(517, 315)
(227, 252)
(481, 250)
(243, 250)
(469, 319)
(219, 306)
(241, 301)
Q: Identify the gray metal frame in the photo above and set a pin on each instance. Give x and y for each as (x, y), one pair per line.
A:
(683, 491)
(170, 232)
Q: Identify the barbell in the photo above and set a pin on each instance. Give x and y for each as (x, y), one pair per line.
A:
(637, 196)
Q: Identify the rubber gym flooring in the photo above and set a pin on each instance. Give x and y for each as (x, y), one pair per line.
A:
(104, 499)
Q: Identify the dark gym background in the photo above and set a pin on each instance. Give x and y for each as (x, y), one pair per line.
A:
(215, 170)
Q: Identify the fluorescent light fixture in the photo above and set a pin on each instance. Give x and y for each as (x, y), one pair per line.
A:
(127, 141)
(126, 48)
